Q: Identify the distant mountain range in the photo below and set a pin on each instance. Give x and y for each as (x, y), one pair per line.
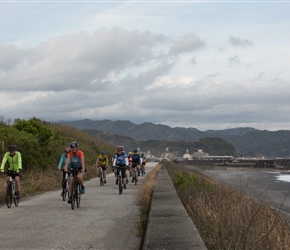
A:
(247, 142)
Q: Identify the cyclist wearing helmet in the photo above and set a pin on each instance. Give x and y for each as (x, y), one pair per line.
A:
(102, 162)
(143, 160)
(121, 162)
(77, 160)
(130, 163)
(136, 161)
(15, 166)
(61, 165)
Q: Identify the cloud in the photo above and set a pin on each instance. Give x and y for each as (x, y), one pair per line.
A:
(188, 43)
(234, 60)
(235, 41)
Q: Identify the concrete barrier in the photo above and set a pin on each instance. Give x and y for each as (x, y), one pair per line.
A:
(169, 225)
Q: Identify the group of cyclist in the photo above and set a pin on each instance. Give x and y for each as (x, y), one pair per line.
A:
(122, 162)
(74, 158)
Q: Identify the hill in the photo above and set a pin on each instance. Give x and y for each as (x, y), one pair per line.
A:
(247, 141)
(211, 145)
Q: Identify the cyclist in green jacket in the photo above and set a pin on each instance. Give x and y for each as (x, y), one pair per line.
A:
(15, 166)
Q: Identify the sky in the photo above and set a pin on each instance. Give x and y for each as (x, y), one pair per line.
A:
(201, 64)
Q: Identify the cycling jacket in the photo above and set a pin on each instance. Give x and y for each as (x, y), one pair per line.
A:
(136, 158)
(120, 159)
(75, 159)
(15, 161)
(62, 162)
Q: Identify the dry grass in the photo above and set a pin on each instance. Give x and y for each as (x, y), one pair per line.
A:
(144, 198)
(37, 181)
(225, 218)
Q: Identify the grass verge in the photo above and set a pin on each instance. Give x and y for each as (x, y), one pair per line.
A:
(225, 218)
(144, 199)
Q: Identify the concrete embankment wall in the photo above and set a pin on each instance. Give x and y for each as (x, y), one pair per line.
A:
(169, 225)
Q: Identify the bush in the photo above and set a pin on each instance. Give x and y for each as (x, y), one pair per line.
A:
(225, 218)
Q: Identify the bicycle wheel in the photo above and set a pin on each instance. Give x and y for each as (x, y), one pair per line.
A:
(78, 195)
(130, 171)
(16, 201)
(64, 190)
(120, 184)
(135, 176)
(9, 195)
(102, 179)
(73, 200)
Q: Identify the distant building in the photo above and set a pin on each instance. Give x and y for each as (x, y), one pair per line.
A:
(167, 155)
(187, 156)
(199, 154)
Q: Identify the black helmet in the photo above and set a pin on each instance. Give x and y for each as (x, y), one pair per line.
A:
(135, 150)
(12, 148)
(74, 144)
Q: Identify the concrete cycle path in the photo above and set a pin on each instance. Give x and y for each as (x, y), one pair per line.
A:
(104, 220)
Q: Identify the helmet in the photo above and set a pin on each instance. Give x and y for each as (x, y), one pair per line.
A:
(12, 148)
(67, 150)
(74, 144)
(129, 153)
(120, 148)
(103, 152)
(135, 150)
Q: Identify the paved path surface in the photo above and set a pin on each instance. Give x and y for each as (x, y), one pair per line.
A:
(169, 226)
(105, 220)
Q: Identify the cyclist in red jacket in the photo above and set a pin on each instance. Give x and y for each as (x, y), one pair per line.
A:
(77, 160)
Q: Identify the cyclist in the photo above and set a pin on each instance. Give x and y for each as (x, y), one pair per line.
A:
(130, 163)
(113, 168)
(102, 162)
(15, 166)
(61, 165)
(77, 160)
(144, 160)
(121, 162)
(136, 161)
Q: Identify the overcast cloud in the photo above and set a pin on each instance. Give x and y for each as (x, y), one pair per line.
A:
(207, 65)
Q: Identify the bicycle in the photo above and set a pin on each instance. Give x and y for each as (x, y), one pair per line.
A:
(120, 180)
(76, 189)
(130, 169)
(135, 173)
(101, 174)
(65, 187)
(142, 169)
(10, 192)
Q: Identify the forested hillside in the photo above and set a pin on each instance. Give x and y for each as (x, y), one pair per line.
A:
(42, 143)
(210, 145)
(248, 142)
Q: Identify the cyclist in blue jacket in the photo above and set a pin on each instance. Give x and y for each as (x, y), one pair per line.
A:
(136, 161)
(61, 165)
(121, 162)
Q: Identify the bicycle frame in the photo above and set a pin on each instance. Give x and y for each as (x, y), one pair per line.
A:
(65, 188)
(101, 176)
(135, 173)
(120, 180)
(11, 193)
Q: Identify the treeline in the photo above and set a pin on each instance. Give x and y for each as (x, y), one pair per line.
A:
(41, 143)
